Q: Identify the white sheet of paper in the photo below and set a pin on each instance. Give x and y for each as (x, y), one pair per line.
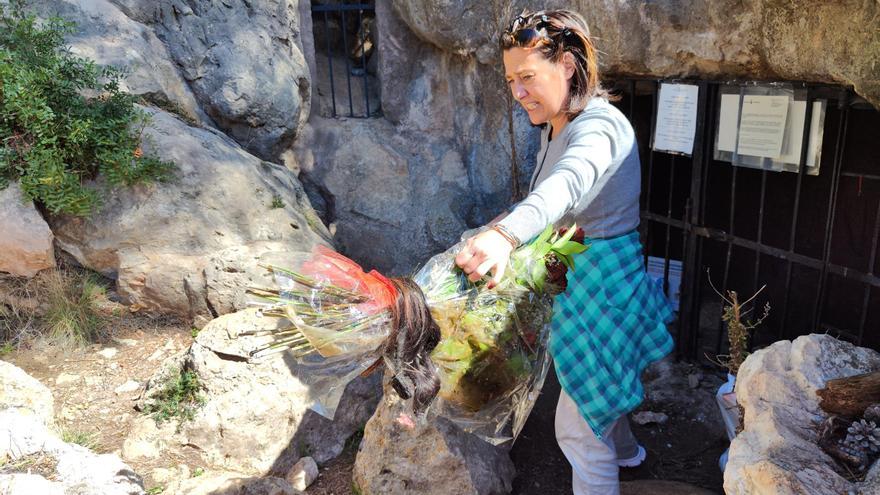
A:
(762, 125)
(727, 123)
(676, 118)
(794, 133)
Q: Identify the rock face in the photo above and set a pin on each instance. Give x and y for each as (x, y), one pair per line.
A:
(402, 188)
(255, 419)
(777, 453)
(245, 65)
(26, 245)
(112, 35)
(189, 246)
(765, 39)
(25, 433)
(391, 209)
(435, 458)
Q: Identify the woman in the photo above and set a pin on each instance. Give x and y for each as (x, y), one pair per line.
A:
(610, 323)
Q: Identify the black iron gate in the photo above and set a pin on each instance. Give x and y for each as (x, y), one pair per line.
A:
(346, 43)
(812, 240)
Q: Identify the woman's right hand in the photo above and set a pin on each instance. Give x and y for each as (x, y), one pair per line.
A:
(486, 252)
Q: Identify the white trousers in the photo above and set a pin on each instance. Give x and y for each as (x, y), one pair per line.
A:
(593, 461)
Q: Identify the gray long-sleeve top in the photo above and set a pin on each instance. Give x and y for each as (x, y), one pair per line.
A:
(588, 174)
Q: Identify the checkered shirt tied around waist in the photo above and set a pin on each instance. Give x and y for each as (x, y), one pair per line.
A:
(607, 327)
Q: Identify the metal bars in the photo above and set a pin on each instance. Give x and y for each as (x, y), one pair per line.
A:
(692, 337)
(344, 12)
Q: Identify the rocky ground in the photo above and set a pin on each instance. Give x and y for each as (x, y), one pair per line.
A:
(95, 387)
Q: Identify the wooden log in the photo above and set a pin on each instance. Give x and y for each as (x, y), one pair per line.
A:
(851, 395)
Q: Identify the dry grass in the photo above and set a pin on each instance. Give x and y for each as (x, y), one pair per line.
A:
(73, 315)
(63, 306)
(19, 310)
(39, 463)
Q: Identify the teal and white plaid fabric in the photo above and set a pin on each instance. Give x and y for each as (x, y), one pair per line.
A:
(607, 327)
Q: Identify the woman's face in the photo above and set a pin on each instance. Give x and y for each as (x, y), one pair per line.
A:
(539, 85)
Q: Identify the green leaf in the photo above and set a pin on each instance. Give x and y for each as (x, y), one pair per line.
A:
(565, 238)
(571, 247)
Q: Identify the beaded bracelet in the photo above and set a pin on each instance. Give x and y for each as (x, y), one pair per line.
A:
(506, 234)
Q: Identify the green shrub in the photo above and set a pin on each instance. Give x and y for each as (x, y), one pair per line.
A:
(53, 137)
(178, 398)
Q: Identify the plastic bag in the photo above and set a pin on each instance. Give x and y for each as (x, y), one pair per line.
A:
(337, 318)
(492, 356)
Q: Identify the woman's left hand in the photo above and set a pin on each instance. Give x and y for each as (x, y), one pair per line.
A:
(486, 252)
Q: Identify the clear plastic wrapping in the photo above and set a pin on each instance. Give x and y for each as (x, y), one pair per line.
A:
(492, 356)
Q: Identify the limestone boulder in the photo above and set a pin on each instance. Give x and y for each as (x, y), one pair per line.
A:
(72, 468)
(764, 39)
(777, 452)
(189, 246)
(244, 62)
(440, 23)
(26, 245)
(435, 457)
(27, 484)
(380, 196)
(116, 34)
(256, 418)
(25, 395)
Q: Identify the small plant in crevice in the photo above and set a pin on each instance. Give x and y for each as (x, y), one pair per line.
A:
(739, 327)
(82, 438)
(178, 398)
(354, 441)
(277, 202)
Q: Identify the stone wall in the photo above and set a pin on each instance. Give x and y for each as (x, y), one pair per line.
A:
(451, 149)
(441, 158)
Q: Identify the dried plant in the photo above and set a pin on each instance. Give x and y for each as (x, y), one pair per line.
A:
(738, 326)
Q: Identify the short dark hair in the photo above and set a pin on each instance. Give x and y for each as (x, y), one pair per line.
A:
(555, 32)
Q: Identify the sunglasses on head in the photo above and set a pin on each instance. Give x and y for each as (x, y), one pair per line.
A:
(530, 37)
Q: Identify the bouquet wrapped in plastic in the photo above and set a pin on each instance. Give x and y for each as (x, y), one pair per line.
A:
(474, 355)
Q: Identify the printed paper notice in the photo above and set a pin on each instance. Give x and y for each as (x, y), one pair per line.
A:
(676, 118)
(762, 125)
(727, 123)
